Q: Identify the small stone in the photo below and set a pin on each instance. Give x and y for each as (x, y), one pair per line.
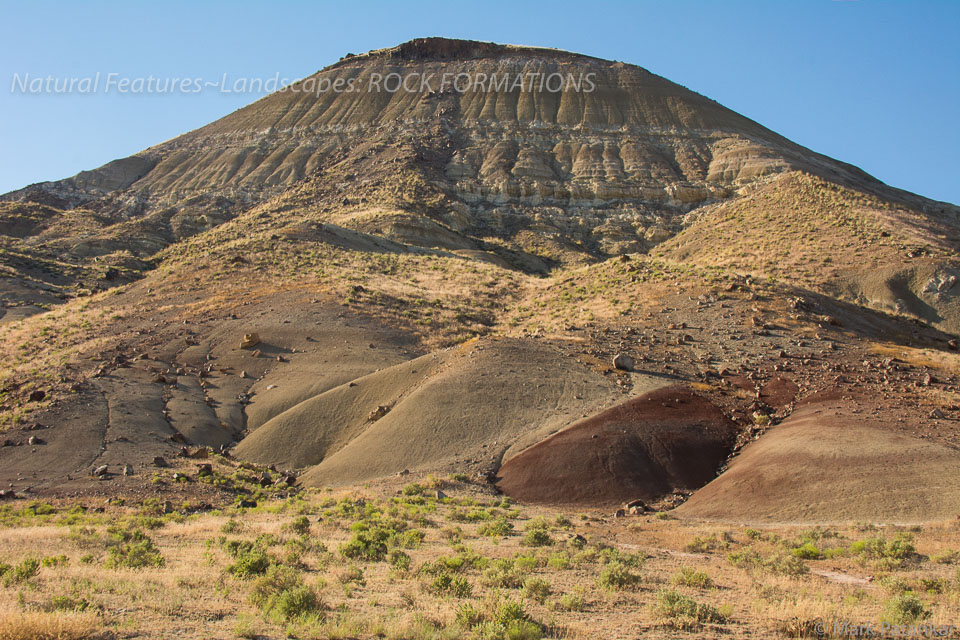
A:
(160, 462)
(936, 414)
(34, 440)
(620, 513)
(101, 471)
(128, 470)
(440, 495)
(37, 395)
(247, 504)
(205, 469)
(954, 345)
(249, 340)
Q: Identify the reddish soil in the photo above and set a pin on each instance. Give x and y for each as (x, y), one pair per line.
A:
(666, 440)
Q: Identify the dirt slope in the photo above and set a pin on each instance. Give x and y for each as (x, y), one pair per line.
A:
(832, 462)
(665, 440)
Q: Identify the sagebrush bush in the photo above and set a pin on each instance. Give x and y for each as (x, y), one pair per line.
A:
(133, 549)
(618, 577)
(689, 577)
(683, 612)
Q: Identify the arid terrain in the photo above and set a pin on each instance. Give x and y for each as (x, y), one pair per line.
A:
(494, 364)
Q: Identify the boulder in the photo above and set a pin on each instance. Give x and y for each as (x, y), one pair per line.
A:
(623, 362)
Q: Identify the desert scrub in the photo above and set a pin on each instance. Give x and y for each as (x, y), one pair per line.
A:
(132, 549)
(299, 526)
(21, 572)
(537, 538)
(496, 528)
(906, 608)
(445, 584)
(884, 554)
(505, 573)
(706, 544)
(372, 542)
(616, 576)
(282, 596)
(573, 601)
(807, 551)
(690, 577)
(536, 589)
(779, 563)
(250, 558)
(676, 610)
(504, 620)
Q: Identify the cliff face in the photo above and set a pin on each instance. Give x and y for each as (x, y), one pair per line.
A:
(601, 154)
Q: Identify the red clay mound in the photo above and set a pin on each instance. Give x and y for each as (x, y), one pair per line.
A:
(665, 440)
(779, 392)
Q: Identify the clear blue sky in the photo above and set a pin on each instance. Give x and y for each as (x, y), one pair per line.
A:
(873, 83)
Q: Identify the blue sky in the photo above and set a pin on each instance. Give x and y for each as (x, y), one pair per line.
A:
(873, 83)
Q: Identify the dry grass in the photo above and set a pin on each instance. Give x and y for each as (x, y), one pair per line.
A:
(568, 590)
(38, 625)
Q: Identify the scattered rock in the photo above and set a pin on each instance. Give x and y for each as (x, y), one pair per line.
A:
(160, 462)
(247, 504)
(205, 469)
(623, 362)
(379, 412)
(620, 513)
(34, 440)
(936, 414)
(128, 470)
(7, 494)
(37, 395)
(101, 471)
(249, 340)
(440, 495)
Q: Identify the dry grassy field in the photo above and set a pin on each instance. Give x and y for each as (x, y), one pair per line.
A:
(433, 557)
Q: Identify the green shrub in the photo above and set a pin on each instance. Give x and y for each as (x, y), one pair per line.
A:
(906, 608)
(509, 621)
(54, 561)
(683, 612)
(457, 586)
(496, 528)
(21, 572)
(413, 489)
(882, 553)
(617, 577)
(689, 577)
(281, 594)
(399, 560)
(503, 573)
(66, 603)
(779, 563)
(300, 525)
(807, 551)
(537, 538)
(250, 558)
(133, 549)
(573, 601)
(536, 589)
